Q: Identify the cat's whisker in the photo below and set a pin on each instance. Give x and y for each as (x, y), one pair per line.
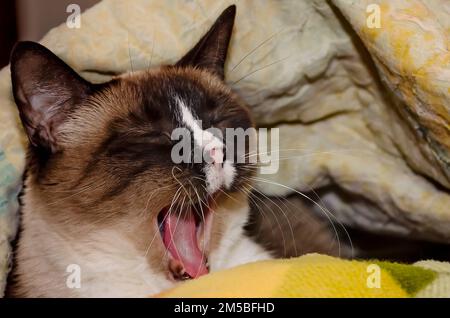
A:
(203, 220)
(274, 215)
(283, 159)
(284, 214)
(129, 52)
(151, 196)
(157, 232)
(260, 69)
(178, 215)
(177, 210)
(144, 211)
(324, 210)
(92, 183)
(167, 215)
(276, 218)
(255, 49)
(85, 189)
(212, 197)
(335, 151)
(111, 215)
(247, 192)
(327, 216)
(229, 195)
(296, 218)
(190, 201)
(260, 45)
(149, 64)
(176, 179)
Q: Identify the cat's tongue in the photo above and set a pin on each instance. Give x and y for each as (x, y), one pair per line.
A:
(180, 238)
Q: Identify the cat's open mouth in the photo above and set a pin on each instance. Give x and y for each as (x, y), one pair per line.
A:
(185, 233)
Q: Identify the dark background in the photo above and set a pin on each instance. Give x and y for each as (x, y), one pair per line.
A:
(31, 20)
(8, 30)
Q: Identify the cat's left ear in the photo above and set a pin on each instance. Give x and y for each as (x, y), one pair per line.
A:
(211, 51)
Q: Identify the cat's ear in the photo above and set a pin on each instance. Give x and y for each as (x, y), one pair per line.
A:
(211, 51)
(45, 89)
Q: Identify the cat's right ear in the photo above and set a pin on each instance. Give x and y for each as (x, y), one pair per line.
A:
(211, 51)
(45, 89)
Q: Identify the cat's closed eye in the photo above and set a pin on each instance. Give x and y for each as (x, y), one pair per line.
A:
(158, 137)
(148, 137)
(130, 144)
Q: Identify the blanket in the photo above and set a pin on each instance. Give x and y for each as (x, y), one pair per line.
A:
(315, 275)
(360, 96)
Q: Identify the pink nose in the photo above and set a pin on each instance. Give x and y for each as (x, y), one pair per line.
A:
(217, 155)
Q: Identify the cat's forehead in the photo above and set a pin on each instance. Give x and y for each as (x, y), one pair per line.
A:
(179, 96)
(155, 101)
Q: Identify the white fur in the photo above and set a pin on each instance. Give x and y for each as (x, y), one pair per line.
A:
(235, 248)
(217, 175)
(110, 264)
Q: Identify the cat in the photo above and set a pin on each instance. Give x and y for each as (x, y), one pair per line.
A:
(105, 211)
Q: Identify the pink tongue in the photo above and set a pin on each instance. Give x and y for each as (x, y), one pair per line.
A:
(180, 238)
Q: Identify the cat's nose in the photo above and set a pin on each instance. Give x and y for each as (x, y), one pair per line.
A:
(217, 156)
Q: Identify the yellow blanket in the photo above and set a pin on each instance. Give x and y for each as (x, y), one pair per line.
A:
(315, 275)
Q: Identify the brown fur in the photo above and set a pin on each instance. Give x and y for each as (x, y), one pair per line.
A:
(63, 194)
(288, 227)
(99, 167)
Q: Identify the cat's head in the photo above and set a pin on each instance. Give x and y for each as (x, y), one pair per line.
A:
(102, 154)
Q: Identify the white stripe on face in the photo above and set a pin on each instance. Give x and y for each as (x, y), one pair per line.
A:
(218, 173)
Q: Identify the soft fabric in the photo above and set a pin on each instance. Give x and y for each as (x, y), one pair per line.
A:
(315, 275)
(440, 287)
(363, 112)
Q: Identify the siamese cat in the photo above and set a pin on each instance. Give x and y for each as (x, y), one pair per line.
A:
(105, 210)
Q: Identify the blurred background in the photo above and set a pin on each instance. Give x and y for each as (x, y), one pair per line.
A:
(30, 20)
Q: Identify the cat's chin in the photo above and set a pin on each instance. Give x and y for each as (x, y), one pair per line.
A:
(185, 233)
